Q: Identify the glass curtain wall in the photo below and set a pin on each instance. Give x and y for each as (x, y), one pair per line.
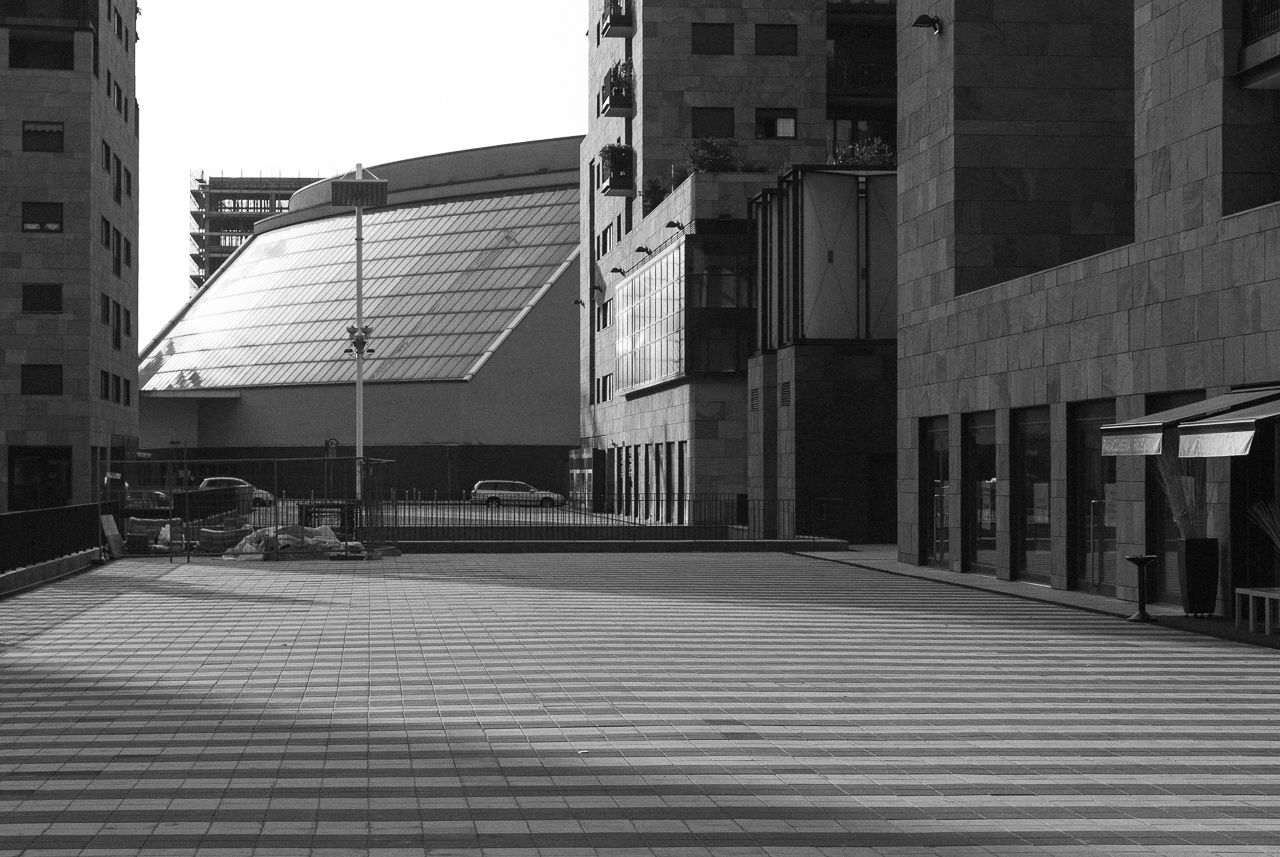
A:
(935, 485)
(1029, 484)
(979, 497)
(1091, 493)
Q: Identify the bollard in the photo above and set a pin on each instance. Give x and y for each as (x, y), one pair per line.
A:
(1141, 562)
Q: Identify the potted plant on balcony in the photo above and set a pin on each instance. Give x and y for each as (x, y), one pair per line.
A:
(618, 162)
(1182, 481)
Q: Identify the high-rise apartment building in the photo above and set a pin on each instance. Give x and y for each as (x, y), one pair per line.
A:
(223, 211)
(694, 111)
(69, 184)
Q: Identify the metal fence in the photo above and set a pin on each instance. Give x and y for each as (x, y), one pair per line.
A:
(283, 507)
(28, 538)
(1261, 19)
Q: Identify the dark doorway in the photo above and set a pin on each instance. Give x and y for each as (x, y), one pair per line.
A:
(1091, 498)
(935, 486)
(1029, 483)
(980, 525)
(39, 477)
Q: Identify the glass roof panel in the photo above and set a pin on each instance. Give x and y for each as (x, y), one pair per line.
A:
(442, 281)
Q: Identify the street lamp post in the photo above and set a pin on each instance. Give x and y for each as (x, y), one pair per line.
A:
(360, 192)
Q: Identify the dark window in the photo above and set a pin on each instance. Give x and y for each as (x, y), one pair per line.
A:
(128, 253)
(104, 385)
(119, 99)
(128, 183)
(119, 26)
(713, 122)
(119, 186)
(44, 50)
(109, 84)
(116, 389)
(713, 38)
(106, 156)
(128, 393)
(117, 252)
(42, 379)
(41, 297)
(117, 325)
(776, 40)
(106, 233)
(104, 309)
(773, 122)
(128, 323)
(42, 217)
(42, 137)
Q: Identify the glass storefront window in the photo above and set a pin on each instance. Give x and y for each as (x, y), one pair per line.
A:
(1031, 509)
(935, 487)
(1091, 492)
(979, 499)
(651, 321)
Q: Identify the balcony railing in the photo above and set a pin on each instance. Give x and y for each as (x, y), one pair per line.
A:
(1261, 19)
(618, 171)
(618, 20)
(618, 93)
(846, 78)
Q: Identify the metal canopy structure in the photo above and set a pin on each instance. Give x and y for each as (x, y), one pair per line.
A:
(1145, 435)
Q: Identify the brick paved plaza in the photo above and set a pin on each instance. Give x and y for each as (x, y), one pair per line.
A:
(745, 704)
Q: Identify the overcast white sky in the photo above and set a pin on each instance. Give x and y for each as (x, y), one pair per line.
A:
(311, 87)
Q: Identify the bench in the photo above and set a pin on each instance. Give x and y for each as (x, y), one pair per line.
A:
(1268, 595)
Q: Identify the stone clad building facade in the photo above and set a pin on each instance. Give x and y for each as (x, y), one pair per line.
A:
(1089, 231)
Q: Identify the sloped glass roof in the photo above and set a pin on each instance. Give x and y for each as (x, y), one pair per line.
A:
(442, 283)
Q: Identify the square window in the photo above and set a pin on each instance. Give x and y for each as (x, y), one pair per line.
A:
(104, 309)
(104, 385)
(42, 297)
(42, 217)
(42, 137)
(713, 122)
(128, 323)
(774, 122)
(106, 154)
(106, 233)
(713, 39)
(128, 393)
(776, 40)
(116, 389)
(41, 379)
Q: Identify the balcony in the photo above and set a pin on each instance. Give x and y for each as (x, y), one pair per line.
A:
(618, 170)
(1261, 19)
(866, 78)
(618, 20)
(1260, 56)
(618, 93)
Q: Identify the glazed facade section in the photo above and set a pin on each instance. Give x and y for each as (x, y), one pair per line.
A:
(442, 283)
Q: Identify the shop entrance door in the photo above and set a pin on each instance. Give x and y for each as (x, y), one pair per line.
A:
(1091, 497)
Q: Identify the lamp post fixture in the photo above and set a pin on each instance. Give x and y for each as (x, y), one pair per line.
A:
(361, 192)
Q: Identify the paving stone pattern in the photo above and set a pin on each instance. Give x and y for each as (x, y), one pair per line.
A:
(615, 705)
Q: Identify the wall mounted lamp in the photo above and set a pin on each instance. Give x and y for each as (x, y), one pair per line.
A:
(674, 224)
(643, 249)
(617, 271)
(929, 21)
(580, 302)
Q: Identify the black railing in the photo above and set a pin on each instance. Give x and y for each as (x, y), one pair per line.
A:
(1261, 19)
(306, 506)
(41, 535)
(847, 78)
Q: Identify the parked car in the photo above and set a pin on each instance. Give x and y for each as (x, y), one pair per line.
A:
(148, 504)
(492, 493)
(260, 497)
